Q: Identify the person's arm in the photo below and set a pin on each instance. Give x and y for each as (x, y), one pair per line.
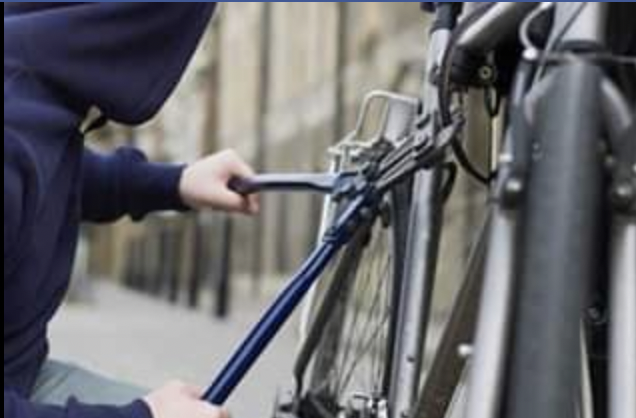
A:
(18, 407)
(125, 183)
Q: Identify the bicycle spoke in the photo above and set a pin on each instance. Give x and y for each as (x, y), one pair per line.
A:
(366, 338)
(353, 328)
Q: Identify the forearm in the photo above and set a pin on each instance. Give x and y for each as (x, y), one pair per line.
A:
(125, 183)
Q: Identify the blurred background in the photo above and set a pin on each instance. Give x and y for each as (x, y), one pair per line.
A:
(280, 83)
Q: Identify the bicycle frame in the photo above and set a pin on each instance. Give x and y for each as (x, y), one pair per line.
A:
(489, 360)
(424, 237)
(495, 271)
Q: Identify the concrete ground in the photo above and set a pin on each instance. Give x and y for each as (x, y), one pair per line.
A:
(148, 342)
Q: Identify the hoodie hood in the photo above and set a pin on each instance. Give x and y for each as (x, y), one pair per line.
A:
(123, 58)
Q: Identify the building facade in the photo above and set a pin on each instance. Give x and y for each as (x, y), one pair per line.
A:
(280, 83)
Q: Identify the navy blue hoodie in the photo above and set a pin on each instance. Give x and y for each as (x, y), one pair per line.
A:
(60, 60)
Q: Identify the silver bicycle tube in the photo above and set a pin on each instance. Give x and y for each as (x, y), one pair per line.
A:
(487, 365)
(582, 21)
(491, 343)
(498, 22)
(623, 328)
(447, 367)
(619, 119)
(420, 264)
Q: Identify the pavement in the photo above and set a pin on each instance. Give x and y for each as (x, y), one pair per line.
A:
(148, 342)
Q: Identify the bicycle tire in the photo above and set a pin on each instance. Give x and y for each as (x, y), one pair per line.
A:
(560, 247)
(331, 332)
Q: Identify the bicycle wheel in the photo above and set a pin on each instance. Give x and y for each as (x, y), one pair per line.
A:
(350, 342)
(560, 255)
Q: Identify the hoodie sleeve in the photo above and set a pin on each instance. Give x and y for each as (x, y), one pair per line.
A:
(21, 194)
(124, 58)
(17, 407)
(12, 209)
(125, 183)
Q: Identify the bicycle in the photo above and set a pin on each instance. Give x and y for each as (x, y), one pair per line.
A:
(522, 337)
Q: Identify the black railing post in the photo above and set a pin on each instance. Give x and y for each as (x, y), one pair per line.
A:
(224, 277)
(198, 263)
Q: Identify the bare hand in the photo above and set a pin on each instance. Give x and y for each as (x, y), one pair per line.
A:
(178, 400)
(204, 184)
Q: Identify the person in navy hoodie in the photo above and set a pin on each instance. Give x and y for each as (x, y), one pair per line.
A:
(60, 61)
